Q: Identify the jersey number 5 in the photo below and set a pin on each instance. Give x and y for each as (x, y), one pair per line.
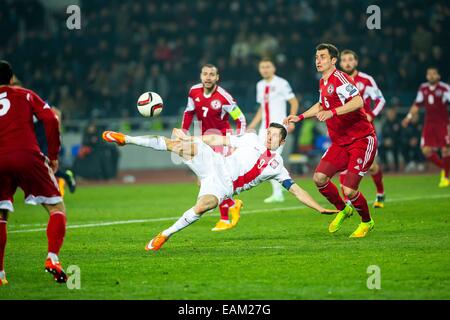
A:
(4, 104)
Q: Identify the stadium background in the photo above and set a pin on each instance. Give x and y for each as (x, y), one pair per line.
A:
(96, 73)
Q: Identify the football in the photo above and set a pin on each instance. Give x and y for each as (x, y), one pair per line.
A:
(150, 104)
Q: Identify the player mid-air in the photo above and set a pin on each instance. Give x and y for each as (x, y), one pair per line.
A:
(221, 177)
(272, 95)
(373, 104)
(213, 106)
(434, 95)
(353, 140)
(23, 165)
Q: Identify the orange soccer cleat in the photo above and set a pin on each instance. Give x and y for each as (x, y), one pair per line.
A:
(156, 243)
(112, 136)
(56, 270)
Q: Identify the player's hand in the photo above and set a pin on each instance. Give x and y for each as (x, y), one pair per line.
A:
(324, 115)
(290, 119)
(369, 117)
(405, 122)
(327, 211)
(54, 164)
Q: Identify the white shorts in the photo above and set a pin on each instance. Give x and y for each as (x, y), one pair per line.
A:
(209, 166)
(262, 138)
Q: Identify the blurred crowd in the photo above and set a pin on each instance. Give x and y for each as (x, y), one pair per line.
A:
(127, 47)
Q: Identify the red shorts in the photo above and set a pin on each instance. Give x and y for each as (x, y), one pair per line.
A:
(435, 135)
(356, 158)
(30, 171)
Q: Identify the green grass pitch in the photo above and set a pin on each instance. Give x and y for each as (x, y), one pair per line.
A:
(279, 251)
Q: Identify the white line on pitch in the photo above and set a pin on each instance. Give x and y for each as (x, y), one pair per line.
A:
(112, 223)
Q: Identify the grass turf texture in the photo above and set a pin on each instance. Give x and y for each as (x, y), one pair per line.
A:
(272, 254)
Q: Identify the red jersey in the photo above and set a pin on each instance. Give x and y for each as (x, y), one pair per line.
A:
(213, 111)
(336, 91)
(374, 101)
(17, 107)
(435, 99)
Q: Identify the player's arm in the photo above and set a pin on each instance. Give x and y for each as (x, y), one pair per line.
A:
(188, 115)
(238, 116)
(311, 112)
(375, 95)
(414, 109)
(293, 111)
(354, 104)
(256, 119)
(305, 198)
(44, 113)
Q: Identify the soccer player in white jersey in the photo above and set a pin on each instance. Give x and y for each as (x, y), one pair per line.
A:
(251, 163)
(272, 93)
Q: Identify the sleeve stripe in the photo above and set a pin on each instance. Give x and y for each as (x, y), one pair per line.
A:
(341, 77)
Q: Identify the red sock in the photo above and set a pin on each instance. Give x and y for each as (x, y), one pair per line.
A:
(360, 204)
(3, 237)
(330, 192)
(378, 180)
(446, 161)
(56, 230)
(436, 160)
(341, 181)
(224, 206)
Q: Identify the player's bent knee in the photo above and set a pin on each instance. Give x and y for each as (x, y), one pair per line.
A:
(206, 203)
(349, 193)
(320, 179)
(55, 207)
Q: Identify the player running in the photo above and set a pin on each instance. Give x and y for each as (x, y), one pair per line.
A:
(353, 140)
(434, 95)
(272, 93)
(212, 106)
(221, 177)
(23, 165)
(373, 104)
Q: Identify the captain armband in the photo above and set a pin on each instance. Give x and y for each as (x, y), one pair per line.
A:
(236, 113)
(287, 184)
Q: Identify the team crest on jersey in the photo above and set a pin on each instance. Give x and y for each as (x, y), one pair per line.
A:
(359, 161)
(330, 89)
(274, 163)
(216, 104)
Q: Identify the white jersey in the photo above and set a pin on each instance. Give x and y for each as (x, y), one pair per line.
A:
(251, 163)
(273, 97)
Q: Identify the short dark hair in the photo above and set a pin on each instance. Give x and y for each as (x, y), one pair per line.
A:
(433, 68)
(6, 72)
(332, 50)
(210, 65)
(267, 59)
(348, 51)
(283, 130)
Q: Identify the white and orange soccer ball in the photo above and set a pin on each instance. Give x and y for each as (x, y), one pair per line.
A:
(150, 104)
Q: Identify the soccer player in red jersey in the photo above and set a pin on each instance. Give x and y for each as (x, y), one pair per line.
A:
(353, 140)
(23, 165)
(434, 95)
(373, 104)
(213, 106)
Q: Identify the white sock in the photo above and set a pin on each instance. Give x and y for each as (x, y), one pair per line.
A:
(2, 274)
(53, 256)
(155, 142)
(188, 218)
(276, 188)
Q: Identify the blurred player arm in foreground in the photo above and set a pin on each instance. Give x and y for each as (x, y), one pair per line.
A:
(311, 112)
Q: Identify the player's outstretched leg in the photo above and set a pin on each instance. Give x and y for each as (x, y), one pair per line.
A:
(329, 190)
(3, 238)
(56, 230)
(360, 203)
(444, 181)
(204, 204)
(377, 177)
